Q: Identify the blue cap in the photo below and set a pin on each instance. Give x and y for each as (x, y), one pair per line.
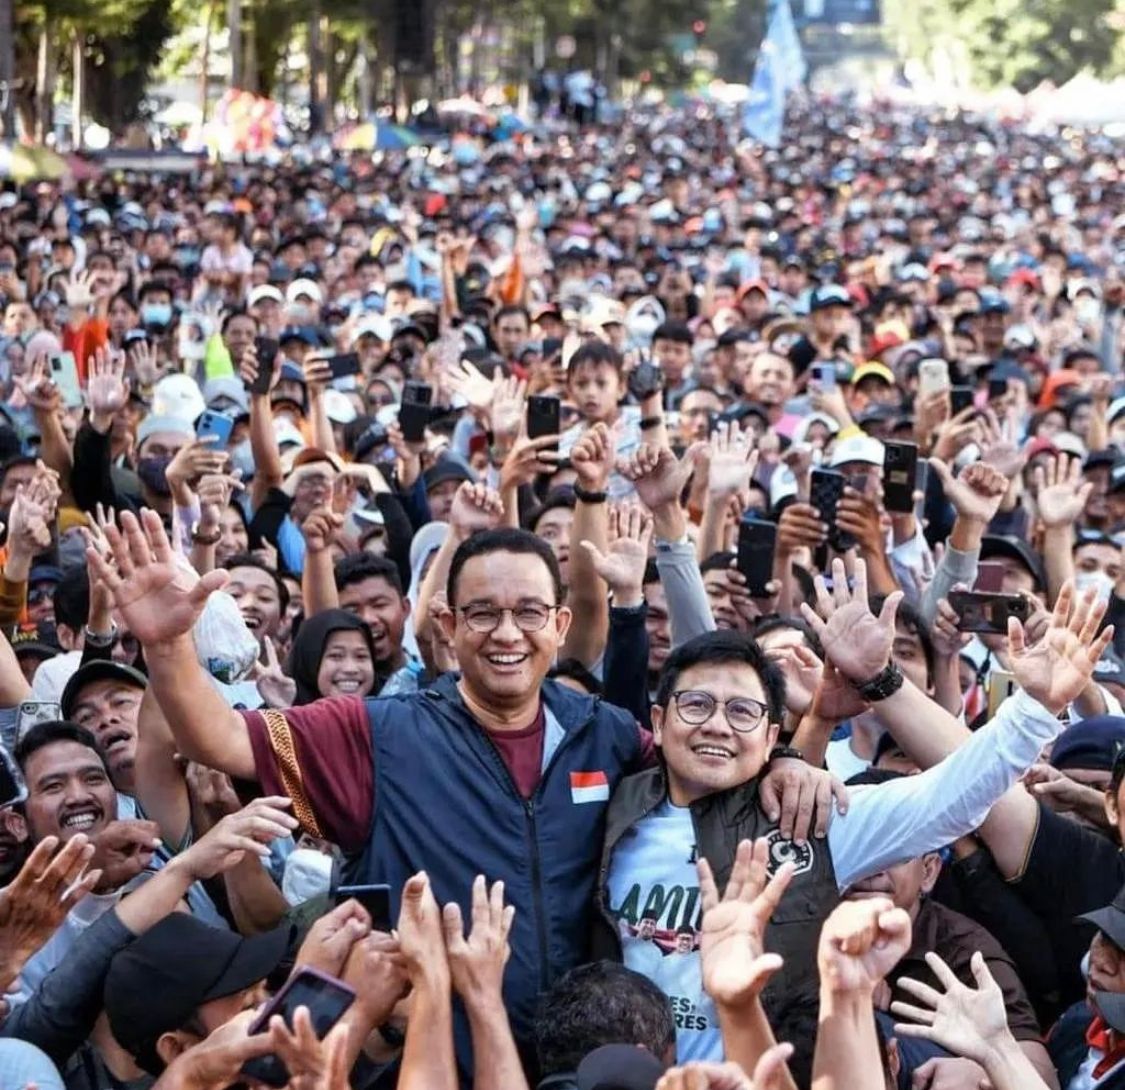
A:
(299, 333)
(1090, 743)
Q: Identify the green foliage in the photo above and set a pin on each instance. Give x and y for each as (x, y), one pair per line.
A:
(1011, 43)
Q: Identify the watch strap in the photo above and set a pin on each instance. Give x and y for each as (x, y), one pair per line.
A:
(885, 683)
(779, 753)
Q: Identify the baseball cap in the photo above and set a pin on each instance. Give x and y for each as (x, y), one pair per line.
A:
(1110, 920)
(159, 423)
(303, 286)
(1117, 477)
(40, 641)
(994, 545)
(374, 325)
(44, 573)
(1090, 743)
(856, 448)
(298, 333)
(830, 295)
(1109, 669)
(157, 982)
(218, 392)
(263, 292)
(873, 369)
(98, 670)
(619, 1067)
(339, 407)
(178, 396)
(1116, 408)
(446, 469)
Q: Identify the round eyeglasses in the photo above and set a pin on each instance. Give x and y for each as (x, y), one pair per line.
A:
(529, 617)
(743, 713)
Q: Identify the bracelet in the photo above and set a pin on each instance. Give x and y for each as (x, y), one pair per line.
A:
(785, 752)
(583, 496)
(651, 422)
(199, 538)
(101, 639)
(885, 683)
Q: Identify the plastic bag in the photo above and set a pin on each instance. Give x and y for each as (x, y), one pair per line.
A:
(226, 647)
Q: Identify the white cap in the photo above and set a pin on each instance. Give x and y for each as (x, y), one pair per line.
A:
(374, 325)
(801, 431)
(339, 407)
(1116, 408)
(303, 287)
(9, 200)
(782, 485)
(857, 448)
(1070, 443)
(178, 396)
(264, 291)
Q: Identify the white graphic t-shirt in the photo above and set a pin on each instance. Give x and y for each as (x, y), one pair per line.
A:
(654, 892)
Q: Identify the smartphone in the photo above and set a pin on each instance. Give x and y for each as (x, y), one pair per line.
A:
(960, 398)
(824, 375)
(990, 576)
(997, 388)
(64, 374)
(414, 412)
(987, 611)
(542, 416)
(31, 712)
(826, 489)
(218, 424)
(645, 380)
(267, 349)
(376, 899)
(13, 790)
(326, 998)
(900, 471)
(933, 376)
(344, 365)
(1001, 685)
(756, 540)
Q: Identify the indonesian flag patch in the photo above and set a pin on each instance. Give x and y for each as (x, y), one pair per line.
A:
(589, 787)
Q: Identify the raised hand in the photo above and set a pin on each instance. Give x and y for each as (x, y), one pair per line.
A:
(509, 403)
(49, 884)
(1057, 668)
(477, 963)
(977, 493)
(948, 638)
(37, 389)
(320, 529)
(969, 1022)
(106, 390)
(800, 526)
(247, 831)
(143, 357)
(802, 670)
(467, 380)
(657, 475)
(860, 943)
(592, 458)
(856, 641)
(527, 459)
(29, 519)
(735, 965)
(318, 375)
(732, 462)
(275, 686)
(420, 932)
(122, 850)
(329, 941)
(159, 598)
(79, 294)
(475, 507)
(191, 462)
(999, 448)
(377, 971)
(836, 698)
(622, 566)
(214, 491)
(1060, 492)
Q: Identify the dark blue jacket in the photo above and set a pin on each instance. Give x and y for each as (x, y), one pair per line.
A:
(446, 803)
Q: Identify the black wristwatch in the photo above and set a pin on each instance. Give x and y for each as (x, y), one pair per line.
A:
(885, 683)
(583, 496)
(785, 753)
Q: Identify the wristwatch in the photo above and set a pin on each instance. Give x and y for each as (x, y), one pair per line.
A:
(101, 639)
(885, 683)
(785, 752)
(199, 538)
(583, 496)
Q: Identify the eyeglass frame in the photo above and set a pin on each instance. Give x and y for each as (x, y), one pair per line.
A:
(763, 715)
(500, 611)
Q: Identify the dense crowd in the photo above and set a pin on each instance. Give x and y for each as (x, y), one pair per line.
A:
(569, 610)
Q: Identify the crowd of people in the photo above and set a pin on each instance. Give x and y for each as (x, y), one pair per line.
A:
(626, 608)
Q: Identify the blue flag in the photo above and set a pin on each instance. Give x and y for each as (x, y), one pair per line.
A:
(780, 67)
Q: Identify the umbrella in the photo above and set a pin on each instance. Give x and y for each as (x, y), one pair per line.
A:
(372, 136)
(25, 163)
(463, 105)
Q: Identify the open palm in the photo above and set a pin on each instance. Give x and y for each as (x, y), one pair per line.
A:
(1057, 668)
(159, 598)
(732, 933)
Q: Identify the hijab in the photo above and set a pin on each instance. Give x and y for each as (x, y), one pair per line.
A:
(309, 644)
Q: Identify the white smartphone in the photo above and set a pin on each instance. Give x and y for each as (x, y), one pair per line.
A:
(933, 376)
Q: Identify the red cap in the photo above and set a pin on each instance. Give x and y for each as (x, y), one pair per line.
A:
(1028, 277)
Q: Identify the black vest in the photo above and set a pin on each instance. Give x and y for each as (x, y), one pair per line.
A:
(721, 821)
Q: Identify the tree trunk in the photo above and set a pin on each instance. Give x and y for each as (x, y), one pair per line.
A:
(7, 69)
(234, 26)
(79, 94)
(44, 85)
(205, 62)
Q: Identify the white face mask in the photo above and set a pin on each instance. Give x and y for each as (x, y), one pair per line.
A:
(1097, 580)
(308, 873)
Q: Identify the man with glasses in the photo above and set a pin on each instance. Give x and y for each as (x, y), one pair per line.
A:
(499, 771)
(716, 717)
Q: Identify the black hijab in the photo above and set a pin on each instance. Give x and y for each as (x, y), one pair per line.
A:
(308, 648)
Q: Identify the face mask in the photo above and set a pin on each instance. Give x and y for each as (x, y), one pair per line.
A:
(153, 474)
(1086, 310)
(1096, 580)
(241, 457)
(1111, 1006)
(72, 550)
(158, 315)
(300, 314)
(308, 873)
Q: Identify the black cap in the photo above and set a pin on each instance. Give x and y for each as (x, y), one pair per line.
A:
(162, 978)
(41, 641)
(619, 1067)
(98, 670)
(1110, 920)
(1017, 549)
(446, 469)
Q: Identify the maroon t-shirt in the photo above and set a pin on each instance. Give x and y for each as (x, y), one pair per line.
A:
(335, 756)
